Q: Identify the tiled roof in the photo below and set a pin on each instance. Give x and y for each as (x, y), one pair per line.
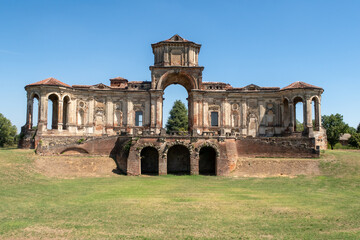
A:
(118, 78)
(50, 81)
(81, 86)
(300, 85)
(176, 39)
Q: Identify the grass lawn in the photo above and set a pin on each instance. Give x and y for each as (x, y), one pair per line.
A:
(33, 206)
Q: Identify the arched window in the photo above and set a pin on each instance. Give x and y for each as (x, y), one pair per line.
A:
(34, 111)
(299, 114)
(315, 113)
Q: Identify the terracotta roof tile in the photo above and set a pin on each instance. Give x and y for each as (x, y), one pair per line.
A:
(50, 81)
(176, 39)
(81, 86)
(118, 78)
(300, 85)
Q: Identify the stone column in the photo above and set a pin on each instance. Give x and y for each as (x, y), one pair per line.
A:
(72, 112)
(282, 115)
(152, 111)
(205, 114)
(227, 113)
(129, 113)
(29, 113)
(292, 116)
(109, 116)
(159, 101)
(243, 117)
(89, 114)
(318, 111)
(60, 115)
(222, 113)
(195, 112)
(43, 113)
(147, 114)
(308, 115)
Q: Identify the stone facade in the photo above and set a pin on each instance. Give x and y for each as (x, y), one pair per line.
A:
(219, 114)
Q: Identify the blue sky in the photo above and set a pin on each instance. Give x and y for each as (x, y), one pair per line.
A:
(267, 43)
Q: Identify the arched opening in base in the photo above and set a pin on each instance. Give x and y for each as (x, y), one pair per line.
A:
(178, 160)
(207, 161)
(149, 161)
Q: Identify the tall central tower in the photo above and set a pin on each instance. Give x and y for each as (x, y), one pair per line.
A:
(176, 58)
(175, 62)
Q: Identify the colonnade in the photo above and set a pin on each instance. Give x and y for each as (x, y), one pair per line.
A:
(311, 106)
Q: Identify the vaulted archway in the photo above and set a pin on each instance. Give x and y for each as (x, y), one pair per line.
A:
(173, 77)
(207, 161)
(178, 160)
(149, 161)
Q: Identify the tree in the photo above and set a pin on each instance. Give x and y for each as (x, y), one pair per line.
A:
(299, 126)
(354, 140)
(178, 119)
(358, 128)
(335, 126)
(7, 131)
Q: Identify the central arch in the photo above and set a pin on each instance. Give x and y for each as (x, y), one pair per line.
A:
(178, 160)
(187, 81)
(173, 77)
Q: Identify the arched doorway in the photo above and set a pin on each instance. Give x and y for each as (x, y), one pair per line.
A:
(207, 161)
(149, 161)
(178, 160)
(299, 114)
(172, 78)
(34, 112)
(315, 114)
(173, 94)
(53, 112)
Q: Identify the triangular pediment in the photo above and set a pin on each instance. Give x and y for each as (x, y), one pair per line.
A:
(176, 38)
(252, 87)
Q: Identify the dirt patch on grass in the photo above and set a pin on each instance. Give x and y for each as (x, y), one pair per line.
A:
(75, 166)
(270, 167)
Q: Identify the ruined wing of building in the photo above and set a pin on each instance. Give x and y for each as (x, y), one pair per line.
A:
(124, 119)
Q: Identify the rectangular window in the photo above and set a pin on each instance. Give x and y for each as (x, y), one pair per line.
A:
(214, 119)
(138, 118)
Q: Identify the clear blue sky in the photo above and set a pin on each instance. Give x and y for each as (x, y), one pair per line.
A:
(268, 43)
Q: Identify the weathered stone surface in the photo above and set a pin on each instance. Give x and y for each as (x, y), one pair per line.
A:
(123, 118)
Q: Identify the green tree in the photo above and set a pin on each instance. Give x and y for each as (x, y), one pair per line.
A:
(354, 140)
(358, 128)
(178, 119)
(7, 131)
(299, 126)
(335, 126)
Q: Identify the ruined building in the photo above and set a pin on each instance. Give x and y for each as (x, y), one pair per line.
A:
(124, 119)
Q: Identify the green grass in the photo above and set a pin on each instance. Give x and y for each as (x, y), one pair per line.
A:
(33, 206)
